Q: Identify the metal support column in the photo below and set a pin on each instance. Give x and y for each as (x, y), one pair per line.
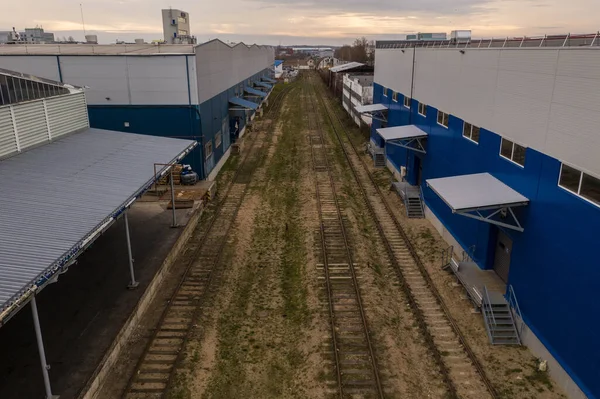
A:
(174, 224)
(132, 284)
(40, 343)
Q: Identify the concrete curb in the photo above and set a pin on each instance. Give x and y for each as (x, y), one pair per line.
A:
(95, 383)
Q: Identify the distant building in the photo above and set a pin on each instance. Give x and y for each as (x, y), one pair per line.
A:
(176, 27)
(427, 36)
(30, 35)
(278, 68)
(37, 36)
(358, 90)
(318, 51)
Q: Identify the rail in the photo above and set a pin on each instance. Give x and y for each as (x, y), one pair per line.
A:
(421, 267)
(336, 224)
(154, 377)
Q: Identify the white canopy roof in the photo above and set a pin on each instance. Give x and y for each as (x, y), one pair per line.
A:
(371, 108)
(475, 192)
(401, 132)
(345, 67)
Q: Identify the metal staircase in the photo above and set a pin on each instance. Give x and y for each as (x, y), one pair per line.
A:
(499, 319)
(378, 155)
(413, 201)
(379, 159)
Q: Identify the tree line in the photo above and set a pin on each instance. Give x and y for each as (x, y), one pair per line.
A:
(362, 50)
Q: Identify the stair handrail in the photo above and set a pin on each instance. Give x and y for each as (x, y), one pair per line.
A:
(489, 302)
(469, 254)
(447, 256)
(422, 198)
(514, 304)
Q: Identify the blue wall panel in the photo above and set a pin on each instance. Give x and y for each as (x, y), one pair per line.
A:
(554, 263)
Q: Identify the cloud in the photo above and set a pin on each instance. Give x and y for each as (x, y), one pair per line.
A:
(374, 7)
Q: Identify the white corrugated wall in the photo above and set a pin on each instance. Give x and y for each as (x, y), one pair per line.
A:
(40, 121)
(544, 98)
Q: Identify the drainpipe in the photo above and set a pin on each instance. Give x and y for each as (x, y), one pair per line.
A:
(412, 86)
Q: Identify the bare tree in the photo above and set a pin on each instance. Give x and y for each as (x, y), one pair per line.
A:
(357, 52)
(71, 39)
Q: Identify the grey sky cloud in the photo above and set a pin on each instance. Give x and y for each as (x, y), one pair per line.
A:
(387, 6)
(305, 21)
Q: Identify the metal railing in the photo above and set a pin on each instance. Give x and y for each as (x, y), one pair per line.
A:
(447, 256)
(514, 304)
(469, 254)
(487, 305)
(422, 198)
(568, 40)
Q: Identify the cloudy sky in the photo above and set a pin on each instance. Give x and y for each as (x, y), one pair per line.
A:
(305, 21)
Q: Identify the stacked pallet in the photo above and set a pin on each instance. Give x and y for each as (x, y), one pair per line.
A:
(177, 169)
(163, 181)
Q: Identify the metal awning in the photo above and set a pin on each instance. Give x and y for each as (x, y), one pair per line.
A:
(470, 195)
(409, 136)
(255, 92)
(375, 111)
(345, 67)
(58, 198)
(263, 84)
(269, 80)
(244, 104)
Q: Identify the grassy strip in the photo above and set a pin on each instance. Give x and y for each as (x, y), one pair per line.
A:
(248, 365)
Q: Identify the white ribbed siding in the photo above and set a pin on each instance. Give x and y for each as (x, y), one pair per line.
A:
(220, 66)
(393, 69)
(29, 124)
(544, 98)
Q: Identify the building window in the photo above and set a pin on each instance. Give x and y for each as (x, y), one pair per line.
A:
(208, 149)
(218, 139)
(385, 92)
(394, 96)
(513, 152)
(407, 101)
(422, 109)
(471, 132)
(580, 183)
(443, 119)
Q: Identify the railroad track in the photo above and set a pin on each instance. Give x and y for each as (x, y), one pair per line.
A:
(156, 367)
(354, 359)
(460, 369)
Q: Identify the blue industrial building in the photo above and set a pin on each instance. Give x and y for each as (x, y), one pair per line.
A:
(530, 118)
(180, 91)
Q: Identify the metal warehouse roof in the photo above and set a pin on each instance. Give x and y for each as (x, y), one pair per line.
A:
(401, 132)
(475, 192)
(345, 67)
(371, 108)
(57, 198)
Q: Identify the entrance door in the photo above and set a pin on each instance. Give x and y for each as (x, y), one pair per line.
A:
(418, 165)
(502, 258)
